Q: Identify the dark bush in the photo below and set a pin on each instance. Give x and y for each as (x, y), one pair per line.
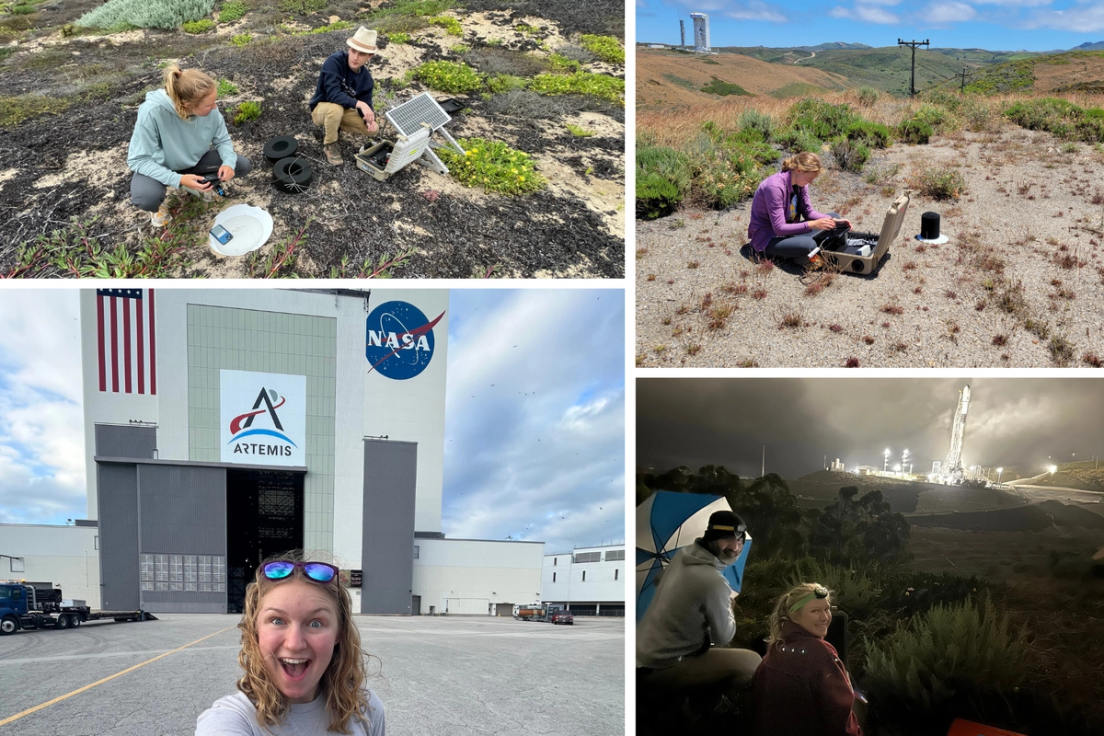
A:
(504, 61)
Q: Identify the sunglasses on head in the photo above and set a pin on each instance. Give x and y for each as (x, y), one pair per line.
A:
(320, 572)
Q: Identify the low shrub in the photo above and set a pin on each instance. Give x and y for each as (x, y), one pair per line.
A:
(944, 657)
(578, 132)
(822, 119)
(506, 61)
(226, 87)
(577, 53)
(724, 89)
(198, 26)
(559, 63)
(941, 183)
(231, 11)
(759, 121)
(14, 110)
(799, 140)
(399, 38)
(606, 48)
(242, 39)
(494, 166)
(146, 14)
(449, 76)
(914, 131)
(868, 95)
(302, 7)
(655, 196)
(247, 111)
(580, 83)
(870, 134)
(500, 83)
(850, 155)
(451, 25)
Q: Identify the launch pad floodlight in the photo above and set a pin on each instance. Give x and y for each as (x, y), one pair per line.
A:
(420, 113)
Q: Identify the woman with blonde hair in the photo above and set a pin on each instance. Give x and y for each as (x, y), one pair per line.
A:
(304, 666)
(783, 222)
(801, 687)
(172, 143)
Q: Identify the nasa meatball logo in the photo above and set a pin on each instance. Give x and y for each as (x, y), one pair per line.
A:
(399, 340)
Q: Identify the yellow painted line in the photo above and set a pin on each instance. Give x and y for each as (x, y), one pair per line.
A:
(78, 691)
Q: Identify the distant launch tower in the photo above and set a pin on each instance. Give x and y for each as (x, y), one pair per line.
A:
(951, 472)
(682, 33)
(701, 33)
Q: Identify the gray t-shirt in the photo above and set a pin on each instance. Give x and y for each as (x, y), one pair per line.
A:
(235, 715)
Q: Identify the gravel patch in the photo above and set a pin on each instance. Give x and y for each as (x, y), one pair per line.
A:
(1019, 284)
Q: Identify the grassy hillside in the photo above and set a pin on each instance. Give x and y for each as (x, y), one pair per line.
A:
(668, 77)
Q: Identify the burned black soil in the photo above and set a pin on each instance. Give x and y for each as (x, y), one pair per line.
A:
(59, 168)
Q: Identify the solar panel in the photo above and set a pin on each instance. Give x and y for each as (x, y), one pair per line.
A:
(409, 117)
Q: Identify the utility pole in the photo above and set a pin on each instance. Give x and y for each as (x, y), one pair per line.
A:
(963, 87)
(912, 78)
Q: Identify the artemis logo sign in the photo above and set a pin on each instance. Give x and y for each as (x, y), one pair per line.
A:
(399, 340)
(263, 418)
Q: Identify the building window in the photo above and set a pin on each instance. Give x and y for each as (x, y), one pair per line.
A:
(96, 542)
(553, 577)
(17, 565)
(183, 573)
(555, 560)
(616, 572)
(615, 554)
(416, 551)
(584, 576)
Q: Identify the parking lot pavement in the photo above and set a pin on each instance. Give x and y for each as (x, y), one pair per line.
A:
(453, 676)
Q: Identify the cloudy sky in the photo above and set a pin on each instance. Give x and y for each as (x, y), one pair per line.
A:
(1011, 421)
(539, 455)
(994, 25)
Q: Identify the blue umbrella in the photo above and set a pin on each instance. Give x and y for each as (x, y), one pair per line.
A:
(667, 522)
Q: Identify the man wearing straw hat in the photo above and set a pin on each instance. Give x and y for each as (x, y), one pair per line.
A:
(343, 98)
(680, 643)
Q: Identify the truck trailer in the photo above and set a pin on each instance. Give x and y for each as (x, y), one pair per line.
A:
(24, 606)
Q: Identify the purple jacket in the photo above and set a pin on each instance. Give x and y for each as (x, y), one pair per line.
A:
(802, 689)
(768, 211)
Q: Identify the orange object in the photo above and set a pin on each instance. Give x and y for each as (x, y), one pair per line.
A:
(969, 728)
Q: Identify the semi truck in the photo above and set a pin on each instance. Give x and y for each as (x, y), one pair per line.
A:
(25, 606)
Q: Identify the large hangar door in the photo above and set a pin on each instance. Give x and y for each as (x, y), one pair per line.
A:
(264, 516)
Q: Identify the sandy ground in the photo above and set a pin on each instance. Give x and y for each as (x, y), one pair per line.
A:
(1024, 237)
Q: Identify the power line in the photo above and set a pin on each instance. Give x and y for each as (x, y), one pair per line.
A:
(913, 45)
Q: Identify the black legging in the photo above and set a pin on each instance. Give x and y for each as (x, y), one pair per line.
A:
(797, 247)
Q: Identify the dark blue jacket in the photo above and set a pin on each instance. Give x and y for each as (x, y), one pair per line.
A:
(341, 85)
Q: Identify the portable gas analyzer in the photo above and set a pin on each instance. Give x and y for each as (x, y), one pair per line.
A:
(415, 121)
(860, 252)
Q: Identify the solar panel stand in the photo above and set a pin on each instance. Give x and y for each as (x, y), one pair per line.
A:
(424, 111)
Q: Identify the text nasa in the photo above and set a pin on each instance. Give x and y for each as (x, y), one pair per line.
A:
(397, 341)
(250, 448)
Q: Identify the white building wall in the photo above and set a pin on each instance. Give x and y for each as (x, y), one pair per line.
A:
(367, 404)
(469, 576)
(563, 580)
(65, 555)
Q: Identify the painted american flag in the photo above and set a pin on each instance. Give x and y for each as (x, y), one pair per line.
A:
(126, 342)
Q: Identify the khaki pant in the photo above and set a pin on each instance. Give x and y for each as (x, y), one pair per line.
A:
(330, 116)
(711, 668)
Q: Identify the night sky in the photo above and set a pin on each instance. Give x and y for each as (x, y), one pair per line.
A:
(726, 421)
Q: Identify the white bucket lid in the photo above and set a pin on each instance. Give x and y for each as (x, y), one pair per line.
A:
(251, 227)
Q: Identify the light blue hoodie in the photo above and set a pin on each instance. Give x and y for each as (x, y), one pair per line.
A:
(163, 143)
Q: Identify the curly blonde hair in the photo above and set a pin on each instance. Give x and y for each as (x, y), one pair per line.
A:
(186, 87)
(782, 608)
(806, 162)
(343, 682)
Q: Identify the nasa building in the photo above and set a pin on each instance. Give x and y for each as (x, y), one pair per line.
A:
(222, 426)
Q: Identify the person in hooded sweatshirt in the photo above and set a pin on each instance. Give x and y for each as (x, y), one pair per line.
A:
(172, 143)
(680, 642)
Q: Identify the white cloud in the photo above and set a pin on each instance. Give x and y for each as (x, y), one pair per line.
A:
(868, 13)
(1087, 19)
(944, 13)
(535, 419)
(42, 474)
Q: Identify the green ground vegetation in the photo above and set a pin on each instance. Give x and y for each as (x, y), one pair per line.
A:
(493, 166)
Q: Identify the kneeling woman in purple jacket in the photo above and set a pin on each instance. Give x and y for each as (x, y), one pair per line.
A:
(783, 223)
(801, 688)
